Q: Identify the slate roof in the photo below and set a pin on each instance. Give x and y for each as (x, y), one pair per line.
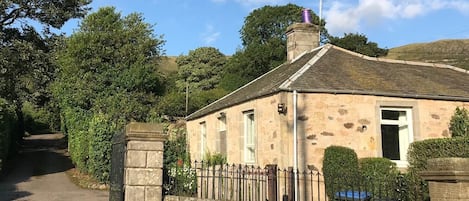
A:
(331, 69)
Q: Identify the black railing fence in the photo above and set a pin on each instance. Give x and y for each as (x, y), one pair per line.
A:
(253, 183)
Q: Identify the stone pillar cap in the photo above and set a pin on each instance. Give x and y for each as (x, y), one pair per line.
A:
(145, 131)
(446, 169)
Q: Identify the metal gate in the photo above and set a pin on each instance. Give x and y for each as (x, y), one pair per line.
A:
(116, 190)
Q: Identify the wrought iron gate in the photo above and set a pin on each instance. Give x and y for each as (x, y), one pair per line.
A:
(116, 191)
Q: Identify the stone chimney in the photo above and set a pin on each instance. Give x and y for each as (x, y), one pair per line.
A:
(301, 37)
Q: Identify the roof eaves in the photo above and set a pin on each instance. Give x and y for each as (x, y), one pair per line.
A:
(311, 62)
(398, 95)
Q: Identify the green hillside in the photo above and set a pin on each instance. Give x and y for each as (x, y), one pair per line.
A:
(451, 52)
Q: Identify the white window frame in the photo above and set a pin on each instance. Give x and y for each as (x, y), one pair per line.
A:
(250, 137)
(203, 139)
(408, 121)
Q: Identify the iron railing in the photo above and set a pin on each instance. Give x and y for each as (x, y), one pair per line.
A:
(253, 183)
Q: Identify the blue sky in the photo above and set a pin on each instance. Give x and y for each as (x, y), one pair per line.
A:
(189, 24)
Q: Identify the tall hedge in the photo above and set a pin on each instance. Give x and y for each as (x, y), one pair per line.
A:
(8, 129)
(101, 129)
(340, 169)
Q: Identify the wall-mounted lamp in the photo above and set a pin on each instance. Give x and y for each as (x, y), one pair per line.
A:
(281, 108)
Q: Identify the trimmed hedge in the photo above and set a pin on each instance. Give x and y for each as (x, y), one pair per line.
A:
(340, 169)
(379, 175)
(101, 128)
(418, 154)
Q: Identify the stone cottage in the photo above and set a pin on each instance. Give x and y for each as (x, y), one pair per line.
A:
(326, 96)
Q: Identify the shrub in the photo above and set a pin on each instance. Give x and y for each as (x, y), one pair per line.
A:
(379, 175)
(214, 159)
(8, 129)
(420, 151)
(340, 169)
(101, 129)
(179, 178)
(459, 123)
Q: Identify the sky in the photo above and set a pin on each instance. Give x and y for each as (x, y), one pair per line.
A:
(189, 24)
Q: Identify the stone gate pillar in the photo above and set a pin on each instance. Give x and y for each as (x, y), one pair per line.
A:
(448, 179)
(143, 167)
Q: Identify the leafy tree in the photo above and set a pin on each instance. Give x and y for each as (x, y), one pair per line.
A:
(107, 78)
(459, 123)
(358, 43)
(200, 69)
(25, 67)
(264, 43)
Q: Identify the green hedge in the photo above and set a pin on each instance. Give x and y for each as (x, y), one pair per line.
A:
(418, 154)
(379, 175)
(101, 129)
(340, 169)
(8, 128)
(420, 151)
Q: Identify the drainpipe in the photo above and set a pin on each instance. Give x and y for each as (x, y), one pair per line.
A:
(295, 144)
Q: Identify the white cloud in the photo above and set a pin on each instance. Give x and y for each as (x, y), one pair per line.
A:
(210, 35)
(345, 18)
(258, 3)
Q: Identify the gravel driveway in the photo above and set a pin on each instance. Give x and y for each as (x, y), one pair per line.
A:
(38, 174)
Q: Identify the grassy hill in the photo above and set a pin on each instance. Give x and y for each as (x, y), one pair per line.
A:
(168, 65)
(451, 52)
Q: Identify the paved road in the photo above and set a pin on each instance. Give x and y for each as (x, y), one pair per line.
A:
(38, 174)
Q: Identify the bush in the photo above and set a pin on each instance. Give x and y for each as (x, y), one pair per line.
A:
(379, 175)
(179, 178)
(8, 129)
(420, 151)
(214, 159)
(459, 123)
(340, 169)
(101, 129)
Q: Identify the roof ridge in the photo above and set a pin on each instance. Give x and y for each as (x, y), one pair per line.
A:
(311, 62)
(415, 63)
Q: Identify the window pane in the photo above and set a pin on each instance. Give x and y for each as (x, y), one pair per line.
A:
(390, 114)
(390, 141)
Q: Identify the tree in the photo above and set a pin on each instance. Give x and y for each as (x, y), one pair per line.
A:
(200, 69)
(264, 43)
(26, 66)
(107, 78)
(358, 43)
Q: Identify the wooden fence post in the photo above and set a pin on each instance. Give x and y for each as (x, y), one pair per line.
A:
(272, 182)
